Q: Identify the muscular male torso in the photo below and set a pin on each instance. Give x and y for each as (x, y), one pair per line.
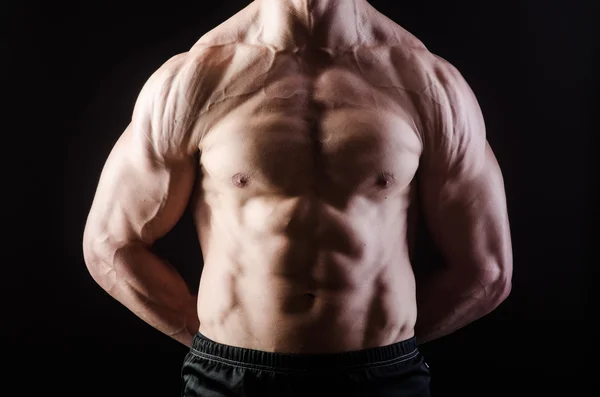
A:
(297, 131)
(307, 161)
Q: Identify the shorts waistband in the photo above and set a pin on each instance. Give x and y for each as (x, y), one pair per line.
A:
(289, 362)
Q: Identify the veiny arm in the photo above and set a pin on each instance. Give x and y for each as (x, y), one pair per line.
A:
(463, 201)
(143, 190)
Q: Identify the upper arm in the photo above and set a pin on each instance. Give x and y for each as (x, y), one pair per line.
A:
(461, 185)
(147, 179)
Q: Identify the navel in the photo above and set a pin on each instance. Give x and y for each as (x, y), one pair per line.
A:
(385, 180)
(310, 295)
(240, 180)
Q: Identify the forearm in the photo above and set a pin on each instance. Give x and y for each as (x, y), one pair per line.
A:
(150, 288)
(448, 301)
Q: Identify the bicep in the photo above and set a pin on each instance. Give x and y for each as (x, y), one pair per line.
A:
(140, 196)
(467, 216)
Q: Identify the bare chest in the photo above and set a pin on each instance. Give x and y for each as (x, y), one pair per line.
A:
(291, 128)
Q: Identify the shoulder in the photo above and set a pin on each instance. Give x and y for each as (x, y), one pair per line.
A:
(442, 82)
(451, 124)
(180, 73)
(167, 106)
(442, 96)
(171, 109)
(425, 73)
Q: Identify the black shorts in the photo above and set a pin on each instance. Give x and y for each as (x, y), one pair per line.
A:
(212, 369)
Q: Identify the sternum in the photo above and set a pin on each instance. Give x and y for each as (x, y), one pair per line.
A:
(315, 135)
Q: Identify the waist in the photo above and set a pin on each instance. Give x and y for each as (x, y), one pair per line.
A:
(211, 350)
(329, 329)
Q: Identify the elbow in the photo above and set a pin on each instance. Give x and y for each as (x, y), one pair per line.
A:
(91, 255)
(502, 290)
(96, 256)
(497, 284)
(91, 252)
(93, 260)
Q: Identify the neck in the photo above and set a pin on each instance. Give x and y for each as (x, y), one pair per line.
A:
(291, 23)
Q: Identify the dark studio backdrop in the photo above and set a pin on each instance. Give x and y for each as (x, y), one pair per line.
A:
(71, 73)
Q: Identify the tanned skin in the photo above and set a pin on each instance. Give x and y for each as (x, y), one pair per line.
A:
(312, 131)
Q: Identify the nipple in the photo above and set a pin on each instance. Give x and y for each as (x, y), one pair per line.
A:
(385, 180)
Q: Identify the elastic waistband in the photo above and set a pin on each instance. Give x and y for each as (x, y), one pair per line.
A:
(287, 362)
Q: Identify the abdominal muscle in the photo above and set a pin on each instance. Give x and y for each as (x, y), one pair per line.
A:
(295, 275)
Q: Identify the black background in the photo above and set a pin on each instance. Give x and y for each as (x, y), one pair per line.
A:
(70, 75)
